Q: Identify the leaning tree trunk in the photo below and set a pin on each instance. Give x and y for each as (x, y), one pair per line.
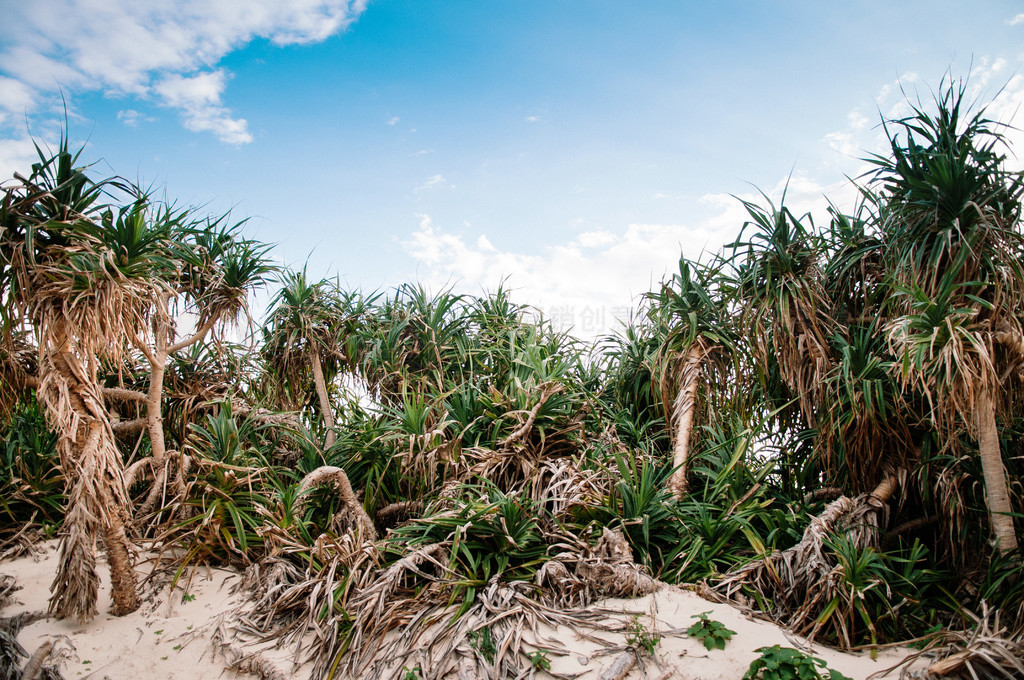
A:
(352, 513)
(996, 490)
(321, 393)
(683, 411)
(97, 498)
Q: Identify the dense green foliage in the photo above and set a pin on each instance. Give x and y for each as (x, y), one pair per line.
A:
(806, 362)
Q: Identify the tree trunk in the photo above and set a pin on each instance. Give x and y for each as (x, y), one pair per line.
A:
(325, 403)
(97, 499)
(335, 476)
(996, 490)
(683, 412)
(158, 356)
(154, 410)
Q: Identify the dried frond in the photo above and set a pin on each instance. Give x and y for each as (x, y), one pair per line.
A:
(798, 583)
(989, 650)
(606, 570)
(18, 369)
(7, 586)
(46, 662)
(253, 663)
(97, 499)
(561, 485)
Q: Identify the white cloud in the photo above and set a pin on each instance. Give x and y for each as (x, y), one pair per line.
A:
(532, 119)
(198, 98)
(590, 283)
(15, 97)
(16, 155)
(1019, 19)
(393, 120)
(132, 118)
(164, 51)
(1007, 108)
(593, 281)
(595, 239)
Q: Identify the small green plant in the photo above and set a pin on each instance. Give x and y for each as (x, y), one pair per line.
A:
(713, 633)
(187, 597)
(540, 660)
(411, 673)
(481, 641)
(785, 663)
(639, 637)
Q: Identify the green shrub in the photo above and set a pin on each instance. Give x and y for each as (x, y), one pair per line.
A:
(785, 663)
(712, 633)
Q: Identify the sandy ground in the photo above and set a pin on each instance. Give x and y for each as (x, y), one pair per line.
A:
(159, 641)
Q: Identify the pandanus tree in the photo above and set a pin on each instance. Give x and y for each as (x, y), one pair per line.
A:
(950, 220)
(85, 294)
(782, 305)
(96, 282)
(208, 270)
(303, 338)
(696, 341)
(865, 428)
(414, 344)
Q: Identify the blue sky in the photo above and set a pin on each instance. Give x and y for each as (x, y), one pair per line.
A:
(574, 147)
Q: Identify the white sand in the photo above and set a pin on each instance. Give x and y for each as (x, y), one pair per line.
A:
(679, 656)
(157, 641)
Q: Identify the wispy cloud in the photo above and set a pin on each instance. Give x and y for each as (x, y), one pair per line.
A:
(198, 99)
(1019, 19)
(15, 96)
(167, 53)
(131, 117)
(435, 182)
(393, 120)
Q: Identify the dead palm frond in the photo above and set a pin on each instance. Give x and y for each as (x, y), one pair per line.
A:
(576, 578)
(989, 650)
(798, 584)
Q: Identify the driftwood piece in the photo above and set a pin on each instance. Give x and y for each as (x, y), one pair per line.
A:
(620, 667)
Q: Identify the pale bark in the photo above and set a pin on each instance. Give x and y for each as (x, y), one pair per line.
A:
(996, 489)
(158, 356)
(321, 393)
(683, 412)
(154, 410)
